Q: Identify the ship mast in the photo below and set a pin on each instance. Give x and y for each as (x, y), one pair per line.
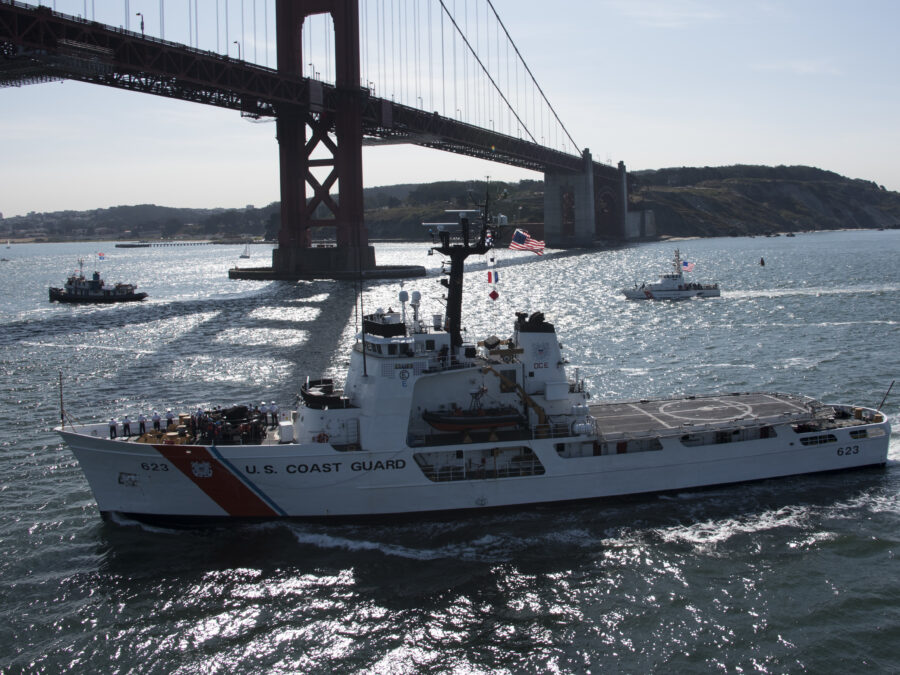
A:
(458, 246)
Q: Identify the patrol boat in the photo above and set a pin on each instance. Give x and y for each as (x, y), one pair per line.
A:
(79, 289)
(372, 448)
(673, 286)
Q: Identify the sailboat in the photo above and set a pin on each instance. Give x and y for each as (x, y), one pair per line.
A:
(246, 252)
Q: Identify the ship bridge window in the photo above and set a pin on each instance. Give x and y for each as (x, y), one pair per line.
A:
(819, 440)
(429, 345)
(516, 461)
(507, 381)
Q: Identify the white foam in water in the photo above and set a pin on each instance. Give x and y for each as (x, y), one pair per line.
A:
(468, 551)
(717, 531)
(125, 521)
(79, 347)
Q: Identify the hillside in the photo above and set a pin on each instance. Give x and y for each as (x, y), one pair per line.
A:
(739, 200)
(705, 202)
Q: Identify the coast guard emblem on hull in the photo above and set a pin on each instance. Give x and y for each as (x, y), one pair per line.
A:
(201, 469)
(541, 349)
(128, 479)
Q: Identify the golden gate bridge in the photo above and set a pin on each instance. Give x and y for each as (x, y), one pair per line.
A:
(334, 75)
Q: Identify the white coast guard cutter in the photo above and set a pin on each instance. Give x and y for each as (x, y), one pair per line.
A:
(673, 285)
(426, 422)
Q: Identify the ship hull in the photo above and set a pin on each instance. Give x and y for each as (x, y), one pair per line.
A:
(192, 483)
(663, 294)
(59, 295)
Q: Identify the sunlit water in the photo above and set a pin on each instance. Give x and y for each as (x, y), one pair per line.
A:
(791, 575)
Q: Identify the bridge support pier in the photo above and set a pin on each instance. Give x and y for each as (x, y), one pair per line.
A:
(295, 253)
(321, 150)
(582, 208)
(569, 213)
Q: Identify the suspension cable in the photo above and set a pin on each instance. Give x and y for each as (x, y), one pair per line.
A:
(488, 74)
(549, 105)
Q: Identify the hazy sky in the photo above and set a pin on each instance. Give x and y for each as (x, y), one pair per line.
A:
(652, 83)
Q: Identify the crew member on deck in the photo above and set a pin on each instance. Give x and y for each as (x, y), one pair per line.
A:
(126, 426)
(170, 417)
(273, 411)
(142, 424)
(264, 411)
(155, 417)
(112, 427)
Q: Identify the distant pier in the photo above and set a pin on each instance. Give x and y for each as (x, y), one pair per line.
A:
(147, 244)
(378, 272)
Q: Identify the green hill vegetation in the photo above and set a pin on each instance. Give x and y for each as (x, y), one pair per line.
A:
(706, 202)
(741, 200)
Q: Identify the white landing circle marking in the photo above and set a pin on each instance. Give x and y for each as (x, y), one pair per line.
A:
(710, 410)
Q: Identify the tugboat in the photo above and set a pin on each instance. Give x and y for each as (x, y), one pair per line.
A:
(384, 444)
(94, 290)
(673, 286)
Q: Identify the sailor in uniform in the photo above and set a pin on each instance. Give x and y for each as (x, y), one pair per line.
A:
(264, 411)
(155, 417)
(273, 411)
(170, 416)
(142, 424)
(126, 426)
(112, 427)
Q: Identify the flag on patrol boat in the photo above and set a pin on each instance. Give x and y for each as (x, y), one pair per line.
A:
(522, 241)
(102, 256)
(493, 276)
(687, 266)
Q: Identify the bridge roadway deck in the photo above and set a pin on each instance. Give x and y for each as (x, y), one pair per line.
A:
(674, 415)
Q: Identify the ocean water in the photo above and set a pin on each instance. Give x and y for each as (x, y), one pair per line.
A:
(793, 575)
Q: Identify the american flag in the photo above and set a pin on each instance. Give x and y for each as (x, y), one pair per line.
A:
(687, 266)
(522, 241)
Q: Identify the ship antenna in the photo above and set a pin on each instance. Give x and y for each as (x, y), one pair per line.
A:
(881, 407)
(62, 410)
(362, 313)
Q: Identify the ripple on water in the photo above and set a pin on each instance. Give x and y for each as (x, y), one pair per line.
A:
(792, 575)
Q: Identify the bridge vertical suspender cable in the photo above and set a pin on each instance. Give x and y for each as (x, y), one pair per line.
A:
(364, 47)
(430, 81)
(466, 61)
(505, 100)
(508, 37)
(455, 104)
